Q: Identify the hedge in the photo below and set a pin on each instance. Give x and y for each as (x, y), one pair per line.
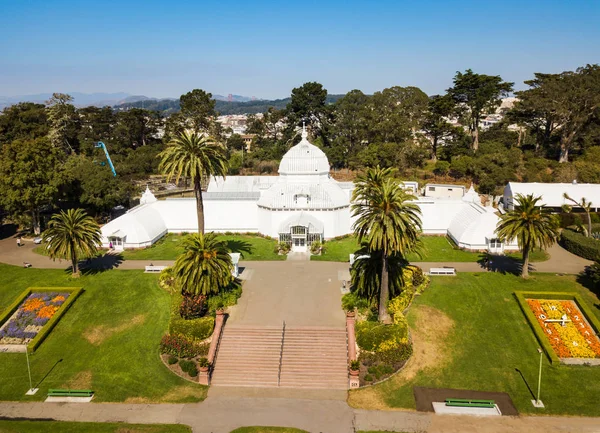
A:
(533, 323)
(578, 244)
(200, 329)
(377, 337)
(74, 292)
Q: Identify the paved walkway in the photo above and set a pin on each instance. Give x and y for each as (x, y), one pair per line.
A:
(224, 414)
(300, 292)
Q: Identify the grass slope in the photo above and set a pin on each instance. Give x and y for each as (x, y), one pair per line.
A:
(489, 343)
(169, 247)
(435, 249)
(88, 427)
(107, 341)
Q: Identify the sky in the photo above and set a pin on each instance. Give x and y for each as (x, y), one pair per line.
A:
(266, 48)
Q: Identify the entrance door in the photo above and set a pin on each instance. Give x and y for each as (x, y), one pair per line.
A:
(117, 243)
(299, 239)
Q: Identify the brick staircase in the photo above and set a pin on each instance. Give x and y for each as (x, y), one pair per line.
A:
(312, 357)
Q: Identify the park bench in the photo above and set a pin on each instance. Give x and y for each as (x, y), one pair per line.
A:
(462, 402)
(154, 269)
(442, 271)
(70, 393)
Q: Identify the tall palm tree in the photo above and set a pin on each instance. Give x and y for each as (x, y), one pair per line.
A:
(388, 222)
(197, 157)
(530, 225)
(366, 273)
(205, 265)
(72, 235)
(586, 206)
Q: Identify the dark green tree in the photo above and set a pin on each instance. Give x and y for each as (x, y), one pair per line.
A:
(436, 125)
(24, 121)
(475, 95)
(198, 110)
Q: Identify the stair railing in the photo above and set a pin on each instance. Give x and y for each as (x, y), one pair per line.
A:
(281, 354)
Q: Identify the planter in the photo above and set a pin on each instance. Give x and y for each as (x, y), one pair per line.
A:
(203, 369)
(354, 373)
(351, 314)
(220, 312)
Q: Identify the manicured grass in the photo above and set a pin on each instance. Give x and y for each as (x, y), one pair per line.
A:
(88, 427)
(258, 429)
(490, 343)
(169, 247)
(107, 341)
(435, 249)
(338, 250)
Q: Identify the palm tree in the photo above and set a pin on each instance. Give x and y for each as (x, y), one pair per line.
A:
(366, 273)
(388, 222)
(197, 157)
(72, 235)
(530, 224)
(205, 265)
(586, 206)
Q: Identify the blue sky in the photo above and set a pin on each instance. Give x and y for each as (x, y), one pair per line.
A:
(264, 48)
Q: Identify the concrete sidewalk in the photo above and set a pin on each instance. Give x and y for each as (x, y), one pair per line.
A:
(224, 414)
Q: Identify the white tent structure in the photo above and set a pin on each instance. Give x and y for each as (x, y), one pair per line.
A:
(552, 193)
(300, 206)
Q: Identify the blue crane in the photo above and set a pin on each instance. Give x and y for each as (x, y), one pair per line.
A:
(103, 146)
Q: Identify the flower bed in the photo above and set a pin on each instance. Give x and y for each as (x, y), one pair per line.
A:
(29, 319)
(569, 338)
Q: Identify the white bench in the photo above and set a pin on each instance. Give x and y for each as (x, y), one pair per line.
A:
(442, 271)
(153, 269)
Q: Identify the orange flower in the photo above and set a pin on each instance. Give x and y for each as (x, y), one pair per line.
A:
(33, 304)
(47, 312)
(58, 298)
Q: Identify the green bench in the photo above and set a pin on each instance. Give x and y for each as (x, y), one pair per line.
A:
(70, 393)
(462, 402)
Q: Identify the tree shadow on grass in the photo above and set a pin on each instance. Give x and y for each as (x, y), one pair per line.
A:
(99, 264)
(501, 264)
(584, 279)
(239, 246)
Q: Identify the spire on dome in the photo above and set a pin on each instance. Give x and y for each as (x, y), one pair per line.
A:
(147, 196)
(304, 133)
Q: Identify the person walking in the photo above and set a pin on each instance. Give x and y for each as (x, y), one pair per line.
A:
(18, 241)
(110, 245)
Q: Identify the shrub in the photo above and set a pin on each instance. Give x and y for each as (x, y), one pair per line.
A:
(368, 378)
(172, 360)
(392, 357)
(316, 247)
(192, 306)
(400, 303)
(593, 273)
(166, 279)
(376, 337)
(226, 298)
(380, 370)
(354, 365)
(182, 347)
(350, 301)
(418, 277)
(203, 362)
(189, 367)
(282, 247)
(576, 243)
(199, 329)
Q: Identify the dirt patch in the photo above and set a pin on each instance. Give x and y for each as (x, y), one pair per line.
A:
(98, 334)
(430, 351)
(82, 380)
(424, 398)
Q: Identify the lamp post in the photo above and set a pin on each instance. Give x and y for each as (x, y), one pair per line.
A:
(537, 402)
(32, 390)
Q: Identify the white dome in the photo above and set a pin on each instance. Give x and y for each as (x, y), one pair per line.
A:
(304, 158)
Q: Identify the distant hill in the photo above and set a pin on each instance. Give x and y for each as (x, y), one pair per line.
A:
(169, 106)
(79, 99)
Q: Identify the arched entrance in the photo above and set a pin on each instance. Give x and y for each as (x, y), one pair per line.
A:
(300, 231)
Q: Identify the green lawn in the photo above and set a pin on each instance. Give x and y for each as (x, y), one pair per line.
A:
(436, 249)
(169, 247)
(107, 341)
(489, 343)
(87, 427)
(258, 429)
